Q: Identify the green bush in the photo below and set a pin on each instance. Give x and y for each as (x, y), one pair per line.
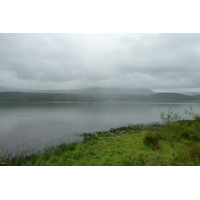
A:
(71, 146)
(190, 133)
(170, 117)
(89, 137)
(195, 116)
(152, 139)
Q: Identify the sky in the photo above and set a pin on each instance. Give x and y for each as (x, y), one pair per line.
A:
(161, 62)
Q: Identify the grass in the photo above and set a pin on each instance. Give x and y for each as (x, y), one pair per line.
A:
(173, 143)
(148, 146)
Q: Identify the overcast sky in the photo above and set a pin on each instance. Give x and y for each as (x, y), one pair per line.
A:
(161, 62)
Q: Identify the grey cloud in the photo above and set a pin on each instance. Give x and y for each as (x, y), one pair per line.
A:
(35, 56)
(81, 60)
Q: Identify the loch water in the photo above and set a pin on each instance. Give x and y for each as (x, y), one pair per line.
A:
(33, 126)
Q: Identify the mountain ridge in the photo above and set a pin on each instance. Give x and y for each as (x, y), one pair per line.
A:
(94, 94)
(91, 90)
(158, 97)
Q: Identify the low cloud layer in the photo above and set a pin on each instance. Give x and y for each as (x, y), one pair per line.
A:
(72, 61)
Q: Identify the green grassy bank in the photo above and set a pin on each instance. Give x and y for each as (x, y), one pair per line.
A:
(176, 142)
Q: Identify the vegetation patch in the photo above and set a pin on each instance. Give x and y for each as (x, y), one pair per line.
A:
(152, 139)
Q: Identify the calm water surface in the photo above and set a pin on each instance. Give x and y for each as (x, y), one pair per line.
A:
(32, 126)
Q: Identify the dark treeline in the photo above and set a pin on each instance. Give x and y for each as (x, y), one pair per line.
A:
(158, 97)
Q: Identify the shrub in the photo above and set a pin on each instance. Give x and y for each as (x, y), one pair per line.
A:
(195, 116)
(170, 117)
(89, 137)
(71, 146)
(152, 140)
(190, 133)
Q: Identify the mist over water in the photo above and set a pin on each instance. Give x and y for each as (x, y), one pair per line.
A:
(32, 126)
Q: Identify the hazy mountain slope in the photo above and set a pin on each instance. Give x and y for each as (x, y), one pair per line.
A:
(159, 97)
(170, 97)
(103, 91)
(94, 90)
(24, 96)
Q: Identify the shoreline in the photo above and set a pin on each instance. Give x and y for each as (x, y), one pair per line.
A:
(149, 144)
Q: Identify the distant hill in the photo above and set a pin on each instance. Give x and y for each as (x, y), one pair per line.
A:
(161, 97)
(25, 96)
(191, 93)
(5, 89)
(171, 97)
(93, 94)
(197, 96)
(93, 90)
(158, 97)
(104, 91)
